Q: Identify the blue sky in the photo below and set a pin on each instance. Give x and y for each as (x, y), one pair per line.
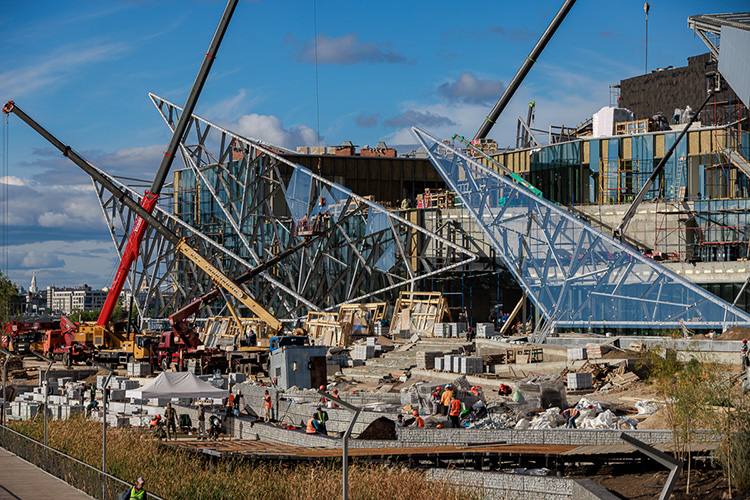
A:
(83, 70)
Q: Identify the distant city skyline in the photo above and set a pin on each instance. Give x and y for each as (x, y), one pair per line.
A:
(84, 69)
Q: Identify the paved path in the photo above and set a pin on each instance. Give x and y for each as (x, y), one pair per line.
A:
(19, 480)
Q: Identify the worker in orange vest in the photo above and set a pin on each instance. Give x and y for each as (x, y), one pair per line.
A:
(267, 407)
(445, 398)
(312, 424)
(229, 408)
(455, 411)
(418, 421)
(475, 389)
(323, 399)
(331, 403)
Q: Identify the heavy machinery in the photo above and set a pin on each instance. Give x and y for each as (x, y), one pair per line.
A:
(66, 344)
(112, 346)
(20, 336)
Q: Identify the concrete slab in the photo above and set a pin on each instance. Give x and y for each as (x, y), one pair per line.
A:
(19, 480)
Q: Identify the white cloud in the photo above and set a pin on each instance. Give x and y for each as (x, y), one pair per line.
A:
(270, 129)
(63, 63)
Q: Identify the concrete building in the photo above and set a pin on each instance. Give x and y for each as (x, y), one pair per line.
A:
(81, 298)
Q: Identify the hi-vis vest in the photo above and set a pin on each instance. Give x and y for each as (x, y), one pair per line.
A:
(137, 494)
(455, 408)
(311, 427)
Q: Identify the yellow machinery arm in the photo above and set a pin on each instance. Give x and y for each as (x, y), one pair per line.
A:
(221, 280)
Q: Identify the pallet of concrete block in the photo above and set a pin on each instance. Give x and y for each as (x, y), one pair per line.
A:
(596, 351)
(426, 360)
(485, 330)
(363, 352)
(442, 330)
(439, 364)
(576, 353)
(139, 369)
(470, 365)
(578, 381)
(458, 329)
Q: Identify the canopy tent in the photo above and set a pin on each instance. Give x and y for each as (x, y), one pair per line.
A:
(177, 385)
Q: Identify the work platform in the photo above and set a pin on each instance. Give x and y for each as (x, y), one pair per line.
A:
(476, 454)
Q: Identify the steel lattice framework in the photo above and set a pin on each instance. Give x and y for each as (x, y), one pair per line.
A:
(240, 202)
(576, 276)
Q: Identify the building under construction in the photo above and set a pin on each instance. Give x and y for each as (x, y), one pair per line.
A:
(375, 224)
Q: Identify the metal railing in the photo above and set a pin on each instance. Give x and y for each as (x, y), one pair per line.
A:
(80, 475)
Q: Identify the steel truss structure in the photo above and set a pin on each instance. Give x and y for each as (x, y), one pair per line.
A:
(576, 276)
(240, 202)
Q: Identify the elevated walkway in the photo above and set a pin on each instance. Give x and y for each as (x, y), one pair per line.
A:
(19, 480)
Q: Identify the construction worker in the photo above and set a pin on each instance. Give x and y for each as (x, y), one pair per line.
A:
(445, 398)
(322, 419)
(201, 422)
(138, 492)
(171, 416)
(332, 403)
(400, 421)
(475, 389)
(455, 411)
(571, 414)
(505, 390)
(93, 392)
(229, 408)
(323, 399)
(435, 400)
(418, 421)
(267, 407)
(744, 352)
(312, 424)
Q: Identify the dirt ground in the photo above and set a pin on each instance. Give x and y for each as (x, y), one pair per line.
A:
(706, 484)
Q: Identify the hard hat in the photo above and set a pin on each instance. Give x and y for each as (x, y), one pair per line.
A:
(439, 426)
(744, 340)
(322, 388)
(437, 388)
(335, 391)
(415, 413)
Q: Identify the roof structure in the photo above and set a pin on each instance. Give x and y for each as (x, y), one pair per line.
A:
(708, 27)
(577, 276)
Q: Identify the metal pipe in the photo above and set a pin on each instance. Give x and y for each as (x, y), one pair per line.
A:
(510, 90)
(345, 442)
(104, 418)
(46, 387)
(5, 379)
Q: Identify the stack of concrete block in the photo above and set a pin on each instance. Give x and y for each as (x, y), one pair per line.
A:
(426, 360)
(457, 329)
(139, 369)
(338, 360)
(372, 341)
(363, 352)
(379, 329)
(580, 381)
(442, 330)
(485, 330)
(448, 361)
(470, 365)
(577, 353)
(439, 364)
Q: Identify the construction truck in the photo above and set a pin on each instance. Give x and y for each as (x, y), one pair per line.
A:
(23, 335)
(66, 344)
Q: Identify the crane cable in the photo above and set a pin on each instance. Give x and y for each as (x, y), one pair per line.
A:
(317, 86)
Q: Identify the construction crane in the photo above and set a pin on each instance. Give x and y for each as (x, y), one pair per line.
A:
(102, 336)
(510, 90)
(151, 196)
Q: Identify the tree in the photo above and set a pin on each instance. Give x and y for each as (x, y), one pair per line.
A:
(9, 300)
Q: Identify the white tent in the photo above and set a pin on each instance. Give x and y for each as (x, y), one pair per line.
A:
(177, 385)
